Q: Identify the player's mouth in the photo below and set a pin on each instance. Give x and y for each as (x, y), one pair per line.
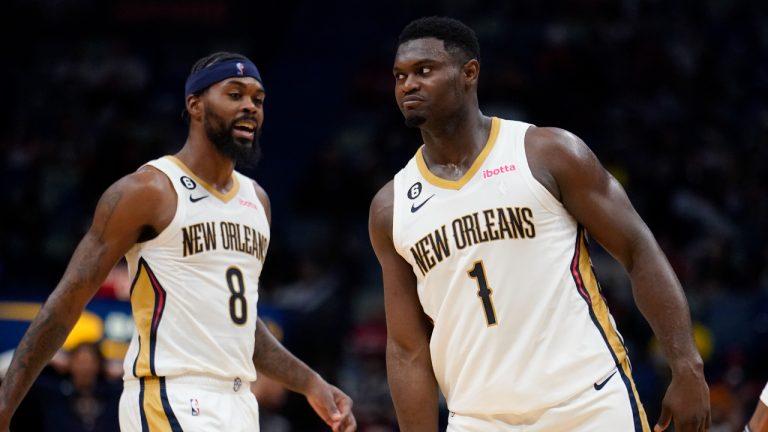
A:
(245, 129)
(412, 101)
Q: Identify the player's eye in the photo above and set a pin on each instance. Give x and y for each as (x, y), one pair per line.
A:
(235, 95)
(425, 70)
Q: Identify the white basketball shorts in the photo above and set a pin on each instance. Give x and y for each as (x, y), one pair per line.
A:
(188, 403)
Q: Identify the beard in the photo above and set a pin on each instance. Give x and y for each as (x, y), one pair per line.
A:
(244, 153)
(415, 120)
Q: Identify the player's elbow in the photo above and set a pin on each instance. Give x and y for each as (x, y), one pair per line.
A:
(406, 353)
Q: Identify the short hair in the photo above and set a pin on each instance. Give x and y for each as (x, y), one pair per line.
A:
(213, 59)
(459, 39)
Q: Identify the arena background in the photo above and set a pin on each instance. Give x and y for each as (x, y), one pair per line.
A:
(671, 96)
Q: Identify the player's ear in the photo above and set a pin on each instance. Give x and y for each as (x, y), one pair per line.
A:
(471, 71)
(194, 106)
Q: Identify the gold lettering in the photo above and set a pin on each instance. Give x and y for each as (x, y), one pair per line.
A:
(517, 224)
(262, 247)
(210, 235)
(188, 246)
(232, 232)
(503, 223)
(224, 227)
(481, 234)
(419, 258)
(469, 227)
(490, 224)
(248, 248)
(530, 230)
(426, 252)
(439, 243)
(458, 234)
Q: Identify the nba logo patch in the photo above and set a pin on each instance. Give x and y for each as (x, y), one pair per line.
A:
(240, 68)
(195, 405)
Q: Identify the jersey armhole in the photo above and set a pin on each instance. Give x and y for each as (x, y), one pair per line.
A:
(162, 165)
(396, 207)
(541, 193)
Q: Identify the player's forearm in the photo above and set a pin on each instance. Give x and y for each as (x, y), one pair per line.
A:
(272, 359)
(44, 337)
(55, 320)
(414, 390)
(661, 300)
(759, 420)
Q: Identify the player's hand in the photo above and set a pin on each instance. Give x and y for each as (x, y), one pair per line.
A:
(686, 403)
(332, 405)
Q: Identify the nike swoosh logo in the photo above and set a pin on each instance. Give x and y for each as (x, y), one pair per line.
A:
(415, 208)
(599, 386)
(194, 200)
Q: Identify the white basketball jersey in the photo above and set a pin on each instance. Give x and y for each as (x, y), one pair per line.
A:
(503, 271)
(195, 286)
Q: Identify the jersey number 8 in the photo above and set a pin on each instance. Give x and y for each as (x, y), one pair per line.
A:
(238, 307)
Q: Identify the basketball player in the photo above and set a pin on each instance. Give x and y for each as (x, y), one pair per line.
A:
(489, 292)
(759, 421)
(195, 234)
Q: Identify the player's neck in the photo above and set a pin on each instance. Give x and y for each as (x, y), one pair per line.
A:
(207, 163)
(457, 141)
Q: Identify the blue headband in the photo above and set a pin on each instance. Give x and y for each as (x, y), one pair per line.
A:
(210, 75)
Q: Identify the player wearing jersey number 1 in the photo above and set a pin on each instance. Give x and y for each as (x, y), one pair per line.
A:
(488, 286)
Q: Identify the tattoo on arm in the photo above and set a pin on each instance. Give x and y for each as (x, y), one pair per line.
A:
(273, 360)
(58, 315)
(42, 339)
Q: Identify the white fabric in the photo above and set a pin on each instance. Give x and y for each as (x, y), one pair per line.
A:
(198, 403)
(606, 410)
(207, 262)
(545, 347)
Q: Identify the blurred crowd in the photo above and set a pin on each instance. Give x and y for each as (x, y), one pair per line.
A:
(672, 96)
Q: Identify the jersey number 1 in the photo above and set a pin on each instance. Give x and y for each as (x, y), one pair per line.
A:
(477, 272)
(238, 308)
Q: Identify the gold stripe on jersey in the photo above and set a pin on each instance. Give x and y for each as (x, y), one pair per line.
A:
(156, 412)
(599, 307)
(226, 197)
(458, 184)
(587, 280)
(148, 302)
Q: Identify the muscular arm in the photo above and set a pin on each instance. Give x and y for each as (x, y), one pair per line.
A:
(409, 365)
(123, 211)
(273, 360)
(566, 167)
(269, 356)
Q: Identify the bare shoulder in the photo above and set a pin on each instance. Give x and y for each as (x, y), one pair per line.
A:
(143, 202)
(264, 198)
(551, 141)
(380, 214)
(150, 181)
(556, 154)
(142, 189)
